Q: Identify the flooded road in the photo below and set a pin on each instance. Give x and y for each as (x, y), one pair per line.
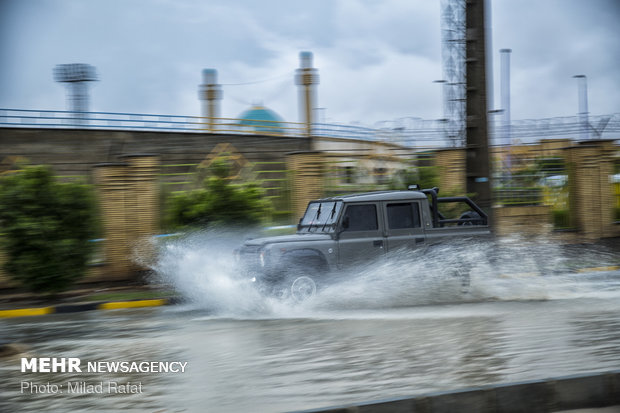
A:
(355, 342)
(279, 364)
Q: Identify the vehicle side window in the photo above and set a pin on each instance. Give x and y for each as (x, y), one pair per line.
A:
(360, 218)
(403, 215)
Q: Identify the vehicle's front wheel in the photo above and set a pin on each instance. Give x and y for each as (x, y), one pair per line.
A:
(280, 292)
(303, 288)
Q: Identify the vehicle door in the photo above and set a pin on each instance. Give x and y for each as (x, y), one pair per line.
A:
(403, 229)
(361, 234)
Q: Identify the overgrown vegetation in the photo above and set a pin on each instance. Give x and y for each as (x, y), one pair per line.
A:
(425, 177)
(218, 201)
(46, 228)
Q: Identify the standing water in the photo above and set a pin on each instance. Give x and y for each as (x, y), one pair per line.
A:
(202, 268)
(397, 328)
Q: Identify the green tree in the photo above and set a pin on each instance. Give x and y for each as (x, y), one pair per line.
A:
(219, 201)
(424, 176)
(46, 228)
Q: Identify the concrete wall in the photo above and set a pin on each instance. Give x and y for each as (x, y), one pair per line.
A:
(307, 181)
(129, 202)
(125, 199)
(451, 164)
(523, 220)
(75, 151)
(591, 195)
(590, 165)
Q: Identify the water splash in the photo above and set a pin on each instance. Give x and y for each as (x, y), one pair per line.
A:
(201, 267)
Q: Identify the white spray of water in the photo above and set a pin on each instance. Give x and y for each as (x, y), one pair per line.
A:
(201, 267)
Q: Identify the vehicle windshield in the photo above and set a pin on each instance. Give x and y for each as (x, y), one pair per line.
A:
(320, 216)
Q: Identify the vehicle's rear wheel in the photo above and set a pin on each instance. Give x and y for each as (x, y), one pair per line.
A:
(470, 215)
(303, 288)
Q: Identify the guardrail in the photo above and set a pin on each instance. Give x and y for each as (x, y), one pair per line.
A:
(141, 121)
(408, 132)
(29, 118)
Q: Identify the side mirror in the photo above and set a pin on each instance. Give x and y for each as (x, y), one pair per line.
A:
(299, 224)
(345, 223)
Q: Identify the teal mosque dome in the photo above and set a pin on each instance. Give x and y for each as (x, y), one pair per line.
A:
(261, 119)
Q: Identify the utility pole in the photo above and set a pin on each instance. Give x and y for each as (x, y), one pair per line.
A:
(477, 160)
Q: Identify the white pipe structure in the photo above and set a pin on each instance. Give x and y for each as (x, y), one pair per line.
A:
(505, 92)
(582, 90)
(505, 100)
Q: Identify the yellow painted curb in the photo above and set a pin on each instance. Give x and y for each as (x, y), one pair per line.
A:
(24, 312)
(131, 304)
(610, 268)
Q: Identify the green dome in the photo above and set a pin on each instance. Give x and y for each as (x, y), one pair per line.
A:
(262, 119)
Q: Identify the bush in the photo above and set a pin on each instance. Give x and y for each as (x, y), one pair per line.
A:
(219, 201)
(424, 176)
(46, 228)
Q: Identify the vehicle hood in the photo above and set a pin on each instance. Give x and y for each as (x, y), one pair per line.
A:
(287, 238)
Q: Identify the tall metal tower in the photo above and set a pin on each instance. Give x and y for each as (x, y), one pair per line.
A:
(453, 54)
(76, 76)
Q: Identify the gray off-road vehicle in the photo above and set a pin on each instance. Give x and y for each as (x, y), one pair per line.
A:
(349, 230)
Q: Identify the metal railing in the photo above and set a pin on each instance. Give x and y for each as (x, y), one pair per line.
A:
(409, 132)
(140, 121)
(29, 118)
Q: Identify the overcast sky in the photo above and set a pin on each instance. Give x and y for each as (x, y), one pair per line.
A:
(377, 59)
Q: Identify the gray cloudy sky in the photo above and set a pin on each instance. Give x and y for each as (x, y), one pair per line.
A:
(377, 59)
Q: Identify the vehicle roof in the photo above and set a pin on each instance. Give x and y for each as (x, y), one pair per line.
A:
(378, 196)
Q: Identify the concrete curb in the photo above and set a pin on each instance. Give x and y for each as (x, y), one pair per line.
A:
(537, 396)
(89, 306)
